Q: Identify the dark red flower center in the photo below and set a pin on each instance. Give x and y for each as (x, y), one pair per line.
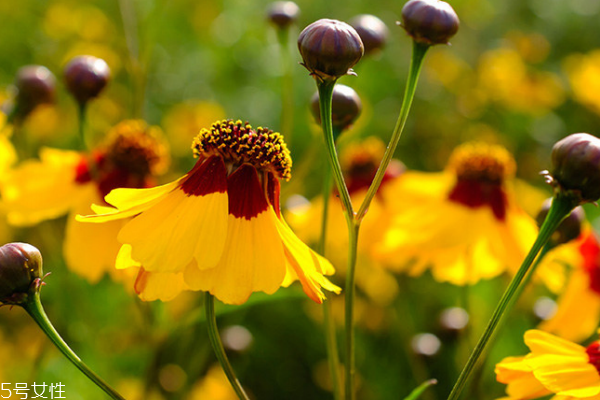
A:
(593, 352)
(590, 251)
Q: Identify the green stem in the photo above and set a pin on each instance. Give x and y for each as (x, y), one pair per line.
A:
(287, 85)
(561, 207)
(418, 54)
(82, 114)
(329, 322)
(33, 306)
(353, 230)
(217, 345)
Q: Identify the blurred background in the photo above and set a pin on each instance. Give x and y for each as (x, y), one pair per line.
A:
(521, 73)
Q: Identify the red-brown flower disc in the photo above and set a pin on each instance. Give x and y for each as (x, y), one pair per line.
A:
(430, 21)
(345, 107)
(576, 166)
(35, 85)
(20, 266)
(282, 14)
(372, 31)
(86, 77)
(330, 48)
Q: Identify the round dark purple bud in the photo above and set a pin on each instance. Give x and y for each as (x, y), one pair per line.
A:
(569, 229)
(329, 49)
(282, 14)
(20, 272)
(345, 107)
(576, 167)
(372, 31)
(430, 21)
(86, 77)
(35, 85)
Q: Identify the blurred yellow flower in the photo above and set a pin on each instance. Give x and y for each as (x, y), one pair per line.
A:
(554, 366)
(218, 228)
(583, 71)
(359, 163)
(464, 223)
(578, 311)
(68, 182)
(214, 385)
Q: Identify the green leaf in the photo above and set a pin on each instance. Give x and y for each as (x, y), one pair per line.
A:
(420, 389)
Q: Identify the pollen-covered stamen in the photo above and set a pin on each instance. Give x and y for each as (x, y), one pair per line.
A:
(481, 170)
(238, 143)
(593, 352)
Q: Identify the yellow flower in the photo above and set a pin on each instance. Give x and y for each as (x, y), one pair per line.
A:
(554, 366)
(462, 223)
(218, 228)
(359, 163)
(583, 71)
(68, 182)
(578, 311)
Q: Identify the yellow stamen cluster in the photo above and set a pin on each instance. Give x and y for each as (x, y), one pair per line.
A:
(482, 162)
(138, 147)
(237, 142)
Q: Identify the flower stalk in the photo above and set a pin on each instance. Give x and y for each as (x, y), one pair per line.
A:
(560, 209)
(217, 345)
(34, 308)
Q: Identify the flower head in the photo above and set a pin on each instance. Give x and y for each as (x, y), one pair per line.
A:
(372, 31)
(35, 85)
(20, 272)
(429, 21)
(219, 227)
(86, 77)
(346, 107)
(282, 14)
(554, 366)
(463, 223)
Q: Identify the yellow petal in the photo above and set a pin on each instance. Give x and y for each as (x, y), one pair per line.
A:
(152, 286)
(541, 342)
(176, 229)
(566, 375)
(522, 384)
(254, 261)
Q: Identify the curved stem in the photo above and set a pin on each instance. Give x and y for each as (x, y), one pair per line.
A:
(217, 345)
(34, 308)
(561, 207)
(329, 322)
(419, 51)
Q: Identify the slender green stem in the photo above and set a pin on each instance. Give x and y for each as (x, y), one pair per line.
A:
(82, 122)
(33, 306)
(217, 345)
(419, 51)
(561, 207)
(329, 322)
(287, 85)
(350, 291)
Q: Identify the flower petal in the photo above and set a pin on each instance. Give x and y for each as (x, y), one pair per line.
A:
(152, 286)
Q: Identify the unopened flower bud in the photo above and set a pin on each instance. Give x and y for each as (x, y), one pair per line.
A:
(569, 229)
(345, 107)
(372, 31)
(329, 49)
(576, 167)
(429, 21)
(282, 14)
(35, 85)
(85, 77)
(20, 271)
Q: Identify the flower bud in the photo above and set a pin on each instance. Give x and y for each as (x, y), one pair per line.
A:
(429, 21)
(35, 85)
(282, 14)
(372, 31)
(85, 77)
(569, 229)
(576, 167)
(329, 49)
(345, 107)
(20, 271)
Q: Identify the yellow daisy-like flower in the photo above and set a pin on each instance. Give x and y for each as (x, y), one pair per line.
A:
(462, 223)
(578, 311)
(554, 366)
(68, 182)
(219, 227)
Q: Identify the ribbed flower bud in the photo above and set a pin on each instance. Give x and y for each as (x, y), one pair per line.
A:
(372, 31)
(35, 85)
(329, 49)
(20, 271)
(429, 21)
(282, 14)
(576, 167)
(345, 107)
(569, 229)
(85, 77)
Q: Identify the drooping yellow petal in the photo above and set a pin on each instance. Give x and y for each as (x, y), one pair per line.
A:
(566, 375)
(254, 261)
(152, 286)
(522, 384)
(541, 342)
(167, 236)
